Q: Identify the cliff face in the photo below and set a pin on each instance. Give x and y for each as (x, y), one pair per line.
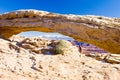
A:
(103, 32)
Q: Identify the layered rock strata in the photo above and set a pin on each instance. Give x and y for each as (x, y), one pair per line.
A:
(103, 32)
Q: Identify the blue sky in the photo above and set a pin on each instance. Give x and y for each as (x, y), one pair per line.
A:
(110, 8)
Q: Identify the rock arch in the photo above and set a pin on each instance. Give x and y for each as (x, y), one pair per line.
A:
(100, 31)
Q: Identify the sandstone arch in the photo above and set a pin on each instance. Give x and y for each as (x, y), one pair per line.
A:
(101, 31)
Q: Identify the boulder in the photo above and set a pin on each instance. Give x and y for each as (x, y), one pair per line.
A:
(113, 58)
(109, 58)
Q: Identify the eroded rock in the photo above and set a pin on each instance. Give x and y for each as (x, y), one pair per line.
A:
(110, 58)
(103, 32)
(28, 65)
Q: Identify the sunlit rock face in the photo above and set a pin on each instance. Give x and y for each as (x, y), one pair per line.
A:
(103, 32)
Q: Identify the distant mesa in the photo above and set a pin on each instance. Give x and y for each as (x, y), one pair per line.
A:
(103, 32)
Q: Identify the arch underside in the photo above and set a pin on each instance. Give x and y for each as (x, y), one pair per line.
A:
(106, 38)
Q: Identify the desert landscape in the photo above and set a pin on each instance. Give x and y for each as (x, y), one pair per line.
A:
(37, 58)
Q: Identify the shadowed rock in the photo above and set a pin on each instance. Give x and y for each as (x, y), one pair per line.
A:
(103, 32)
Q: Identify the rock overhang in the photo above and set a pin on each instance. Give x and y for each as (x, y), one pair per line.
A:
(101, 31)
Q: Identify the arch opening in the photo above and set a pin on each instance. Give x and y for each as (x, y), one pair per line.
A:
(46, 35)
(86, 47)
(102, 38)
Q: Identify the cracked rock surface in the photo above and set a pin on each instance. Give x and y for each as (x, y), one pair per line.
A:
(22, 63)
